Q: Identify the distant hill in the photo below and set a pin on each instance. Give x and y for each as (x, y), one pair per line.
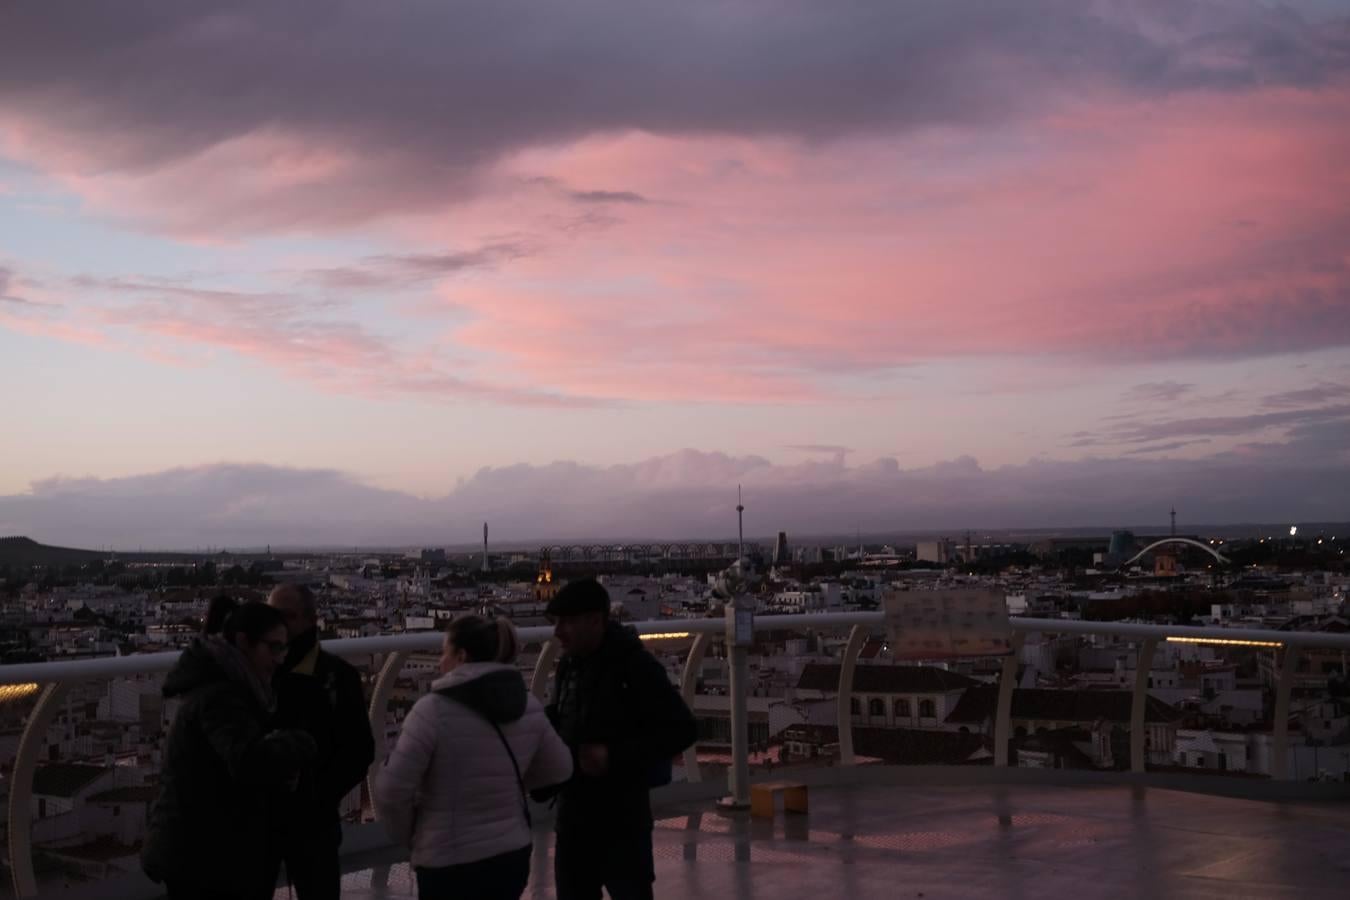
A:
(24, 551)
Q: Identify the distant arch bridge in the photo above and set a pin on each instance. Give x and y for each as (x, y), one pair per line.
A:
(1176, 540)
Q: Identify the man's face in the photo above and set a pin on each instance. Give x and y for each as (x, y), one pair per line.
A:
(292, 609)
(581, 634)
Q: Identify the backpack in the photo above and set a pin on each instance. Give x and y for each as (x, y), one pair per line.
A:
(659, 772)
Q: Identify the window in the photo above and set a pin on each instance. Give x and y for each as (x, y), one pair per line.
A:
(902, 710)
(855, 706)
(876, 708)
(927, 709)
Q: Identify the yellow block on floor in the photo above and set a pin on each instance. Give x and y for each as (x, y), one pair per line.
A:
(762, 798)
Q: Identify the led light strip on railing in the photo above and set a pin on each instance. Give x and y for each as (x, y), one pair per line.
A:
(10, 692)
(1228, 642)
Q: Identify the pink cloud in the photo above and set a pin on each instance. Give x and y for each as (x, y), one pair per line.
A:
(1200, 226)
(764, 253)
(298, 338)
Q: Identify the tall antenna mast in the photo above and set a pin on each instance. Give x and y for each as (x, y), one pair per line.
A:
(740, 525)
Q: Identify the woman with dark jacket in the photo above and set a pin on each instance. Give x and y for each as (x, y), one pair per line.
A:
(209, 834)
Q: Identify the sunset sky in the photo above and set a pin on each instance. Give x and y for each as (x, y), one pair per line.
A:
(377, 271)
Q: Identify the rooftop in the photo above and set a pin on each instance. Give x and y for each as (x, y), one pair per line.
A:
(885, 679)
(1047, 704)
(64, 779)
(971, 840)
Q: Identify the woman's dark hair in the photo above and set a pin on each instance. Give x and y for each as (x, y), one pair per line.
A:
(252, 620)
(216, 614)
(484, 640)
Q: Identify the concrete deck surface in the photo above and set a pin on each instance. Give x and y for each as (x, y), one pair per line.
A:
(981, 841)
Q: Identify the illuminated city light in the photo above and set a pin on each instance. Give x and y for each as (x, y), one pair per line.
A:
(665, 635)
(11, 692)
(1228, 642)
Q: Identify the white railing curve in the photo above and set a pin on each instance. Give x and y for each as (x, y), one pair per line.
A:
(53, 678)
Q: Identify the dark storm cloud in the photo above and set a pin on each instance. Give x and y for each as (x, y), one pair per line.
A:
(425, 94)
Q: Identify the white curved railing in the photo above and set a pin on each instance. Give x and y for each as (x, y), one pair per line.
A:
(53, 679)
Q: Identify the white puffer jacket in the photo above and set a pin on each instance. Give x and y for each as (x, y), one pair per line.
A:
(448, 790)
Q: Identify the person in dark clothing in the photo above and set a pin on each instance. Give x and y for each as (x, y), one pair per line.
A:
(208, 834)
(322, 695)
(615, 707)
(216, 614)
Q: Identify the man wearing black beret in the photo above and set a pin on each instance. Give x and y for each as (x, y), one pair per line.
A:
(624, 721)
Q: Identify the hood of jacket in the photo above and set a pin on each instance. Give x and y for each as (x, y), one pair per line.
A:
(196, 666)
(495, 691)
(212, 659)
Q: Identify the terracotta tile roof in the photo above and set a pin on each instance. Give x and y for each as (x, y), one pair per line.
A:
(885, 679)
(131, 794)
(64, 779)
(979, 704)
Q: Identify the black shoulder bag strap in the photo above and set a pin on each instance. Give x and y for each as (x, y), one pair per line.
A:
(520, 782)
(515, 766)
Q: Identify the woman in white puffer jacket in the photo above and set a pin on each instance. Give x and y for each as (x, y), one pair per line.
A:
(454, 787)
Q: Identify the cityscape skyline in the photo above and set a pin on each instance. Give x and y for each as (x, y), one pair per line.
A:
(861, 260)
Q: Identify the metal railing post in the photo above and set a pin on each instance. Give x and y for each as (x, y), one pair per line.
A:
(738, 650)
(21, 788)
(379, 712)
(688, 682)
(1139, 706)
(857, 637)
(1279, 757)
(543, 667)
(1007, 681)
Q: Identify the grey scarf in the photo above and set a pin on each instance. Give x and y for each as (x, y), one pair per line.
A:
(238, 670)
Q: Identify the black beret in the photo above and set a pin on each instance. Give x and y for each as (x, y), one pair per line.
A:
(577, 597)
